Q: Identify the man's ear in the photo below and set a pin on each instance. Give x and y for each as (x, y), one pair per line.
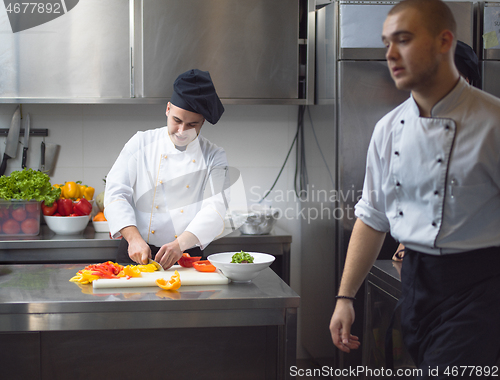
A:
(168, 109)
(447, 40)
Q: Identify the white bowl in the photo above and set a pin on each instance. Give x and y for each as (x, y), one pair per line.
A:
(101, 226)
(241, 272)
(67, 225)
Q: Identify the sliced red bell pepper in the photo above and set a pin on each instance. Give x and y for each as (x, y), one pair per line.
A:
(186, 261)
(204, 266)
(49, 210)
(82, 207)
(65, 207)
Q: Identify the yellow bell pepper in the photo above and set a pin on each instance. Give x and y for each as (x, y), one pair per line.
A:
(71, 190)
(59, 186)
(147, 268)
(84, 277)
(88, 193)
(173, 284)
(132, 271)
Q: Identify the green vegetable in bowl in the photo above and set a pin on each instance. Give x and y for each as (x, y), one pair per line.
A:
(28, 184)
(242, 258)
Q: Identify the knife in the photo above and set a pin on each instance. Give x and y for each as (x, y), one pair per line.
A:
(12, 140)
(26, 140)
(157, 265)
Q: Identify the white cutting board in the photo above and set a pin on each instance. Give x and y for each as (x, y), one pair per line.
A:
(189, 276)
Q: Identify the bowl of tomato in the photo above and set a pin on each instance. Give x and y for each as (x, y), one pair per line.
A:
(19, 218)
(67, 225)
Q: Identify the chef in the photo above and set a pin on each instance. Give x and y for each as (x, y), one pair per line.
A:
(468, 67)
(164, 193)
(433, 181)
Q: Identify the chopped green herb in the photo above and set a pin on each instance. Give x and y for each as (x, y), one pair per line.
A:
(242, 258)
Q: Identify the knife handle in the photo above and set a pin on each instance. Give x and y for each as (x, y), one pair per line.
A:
(3, 166)
(25, 155)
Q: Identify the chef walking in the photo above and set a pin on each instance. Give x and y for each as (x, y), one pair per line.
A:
(156, 192)
(433, 181)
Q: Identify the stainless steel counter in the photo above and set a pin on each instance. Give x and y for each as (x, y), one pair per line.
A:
(39, 299)
(91, 246)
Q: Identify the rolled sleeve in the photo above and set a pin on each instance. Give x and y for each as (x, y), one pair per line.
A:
(371, 216)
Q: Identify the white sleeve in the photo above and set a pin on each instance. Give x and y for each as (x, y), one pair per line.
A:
(372, 206)
(119, 191)
(209, 221)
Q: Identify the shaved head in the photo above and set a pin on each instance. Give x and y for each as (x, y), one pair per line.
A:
(435, 14)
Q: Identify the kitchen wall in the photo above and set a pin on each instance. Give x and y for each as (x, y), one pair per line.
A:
(256, 139)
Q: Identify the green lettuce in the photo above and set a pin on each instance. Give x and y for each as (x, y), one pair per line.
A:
(28, 184)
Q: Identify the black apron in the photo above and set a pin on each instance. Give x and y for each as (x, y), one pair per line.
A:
(122, 256)
(450, 311)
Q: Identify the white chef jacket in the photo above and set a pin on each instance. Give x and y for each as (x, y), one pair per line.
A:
(164, 192)
(434, 183)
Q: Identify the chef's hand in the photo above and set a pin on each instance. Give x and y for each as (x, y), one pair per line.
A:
(169, 254)
(138, 249)
(340, 326)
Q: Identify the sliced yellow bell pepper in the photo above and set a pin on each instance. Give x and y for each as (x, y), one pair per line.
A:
(173, 284)
(84, 277)
(132, 271)
(147, 268)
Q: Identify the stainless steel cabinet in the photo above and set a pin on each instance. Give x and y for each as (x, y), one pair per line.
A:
(84, 53)
(382, 291)
(131, 51)
(249, 47)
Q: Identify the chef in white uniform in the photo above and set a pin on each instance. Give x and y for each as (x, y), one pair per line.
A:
(164, 194)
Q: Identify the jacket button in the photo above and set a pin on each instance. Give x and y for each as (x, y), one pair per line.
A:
(165, 156)
(434, 224)
(156, 206)
(194, 161)
(182, 211)
(175, 236)
(161, 181)
(396, 153)
(153, 232)
(187, 186)
(401, 213)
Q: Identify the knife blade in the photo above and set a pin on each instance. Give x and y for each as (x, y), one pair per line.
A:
(157, 265)
(26, 143)
(12, 140)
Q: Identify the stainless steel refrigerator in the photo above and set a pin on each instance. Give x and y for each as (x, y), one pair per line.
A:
(490, 46)
(354, 90)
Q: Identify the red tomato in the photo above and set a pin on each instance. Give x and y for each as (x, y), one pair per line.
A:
(30, 226)
(11, 227)
(4, 213)
(32, 207)
(19, 214)
(49, 211)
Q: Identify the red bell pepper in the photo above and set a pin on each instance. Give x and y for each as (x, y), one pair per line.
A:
(82, 207)
(204, 266)
(49, 210)
(186, 261)
(65, 206)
